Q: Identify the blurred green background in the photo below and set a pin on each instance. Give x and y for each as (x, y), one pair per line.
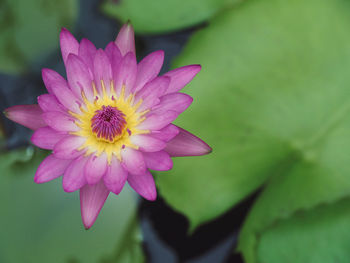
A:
(272, 100)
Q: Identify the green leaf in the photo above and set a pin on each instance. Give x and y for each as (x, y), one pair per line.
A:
(320, 235)
(41, 223)
(30, 29)
(163, 16)
(307, 183)
(273, 91)
(11, 160)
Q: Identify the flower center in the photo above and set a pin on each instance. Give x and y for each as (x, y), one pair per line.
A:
(108, 123)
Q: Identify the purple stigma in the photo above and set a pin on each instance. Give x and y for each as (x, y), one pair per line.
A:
(108, 123)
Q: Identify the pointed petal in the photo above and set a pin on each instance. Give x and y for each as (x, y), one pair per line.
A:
(48, 102)
(26, 115)
(126, 39)
(147, 143)
(68, 43)
(125, 74)
(67, 148)
(73, 178)
(58, 86)
(87, 52)
(79, 77)
(60, 121)
(46, 137)
(178, 102)
(148, 68)
(92, 199)
(50, 168)
(157, 86)
(180, 77)
(50, 77)
(157, 122)
(166, 134)
(144, 185)
(114, 55)
(103, 71)
(95, 168)
(113, 52)
(151, 92)
(132, 161)
(159, 161)
(115, 177)
(187, 144)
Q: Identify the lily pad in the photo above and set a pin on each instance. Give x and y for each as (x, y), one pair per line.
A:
(272, 95)
(308, 186)
(159, 16)
(29, 30)
(41, 223)
(321, 235)
(303, 213)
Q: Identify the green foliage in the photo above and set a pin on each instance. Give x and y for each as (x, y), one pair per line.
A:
(163, 16)
(274, 234)
(273, 100)
(29, 30)
(41, 223)
(305, 185)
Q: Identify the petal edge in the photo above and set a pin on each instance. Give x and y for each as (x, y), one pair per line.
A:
(92, 199)
(187, 144)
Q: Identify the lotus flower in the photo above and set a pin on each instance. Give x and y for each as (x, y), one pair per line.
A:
(110, 122)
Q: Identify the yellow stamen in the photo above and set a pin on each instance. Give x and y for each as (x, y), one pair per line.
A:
(95, 145)
(94, 89)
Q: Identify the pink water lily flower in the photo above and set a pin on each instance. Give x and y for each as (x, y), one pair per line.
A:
(110, 122)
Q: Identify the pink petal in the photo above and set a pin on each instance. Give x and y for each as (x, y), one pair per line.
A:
(147, 143)
(166, 134)
(79, 77)
(48, 102)
(126, 39)
(132, 161)
(57, 85)
(144, 185)
(46, 138)
(125, 74)
(95, 168)
(180, 77)
(151, 92)
(73, 178)
(175, 102)
(157, 122)
(103, 70)
(148, 69)
(50, 77)
(67, 148)
(26, 115)
(113, 52)
(87, 52)
(159, 161)
(157, 86)
(68, 43)
(114, 56)
(50, 168)
(115, 177)
(187, 144)
(60, 121)
(92, 199)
